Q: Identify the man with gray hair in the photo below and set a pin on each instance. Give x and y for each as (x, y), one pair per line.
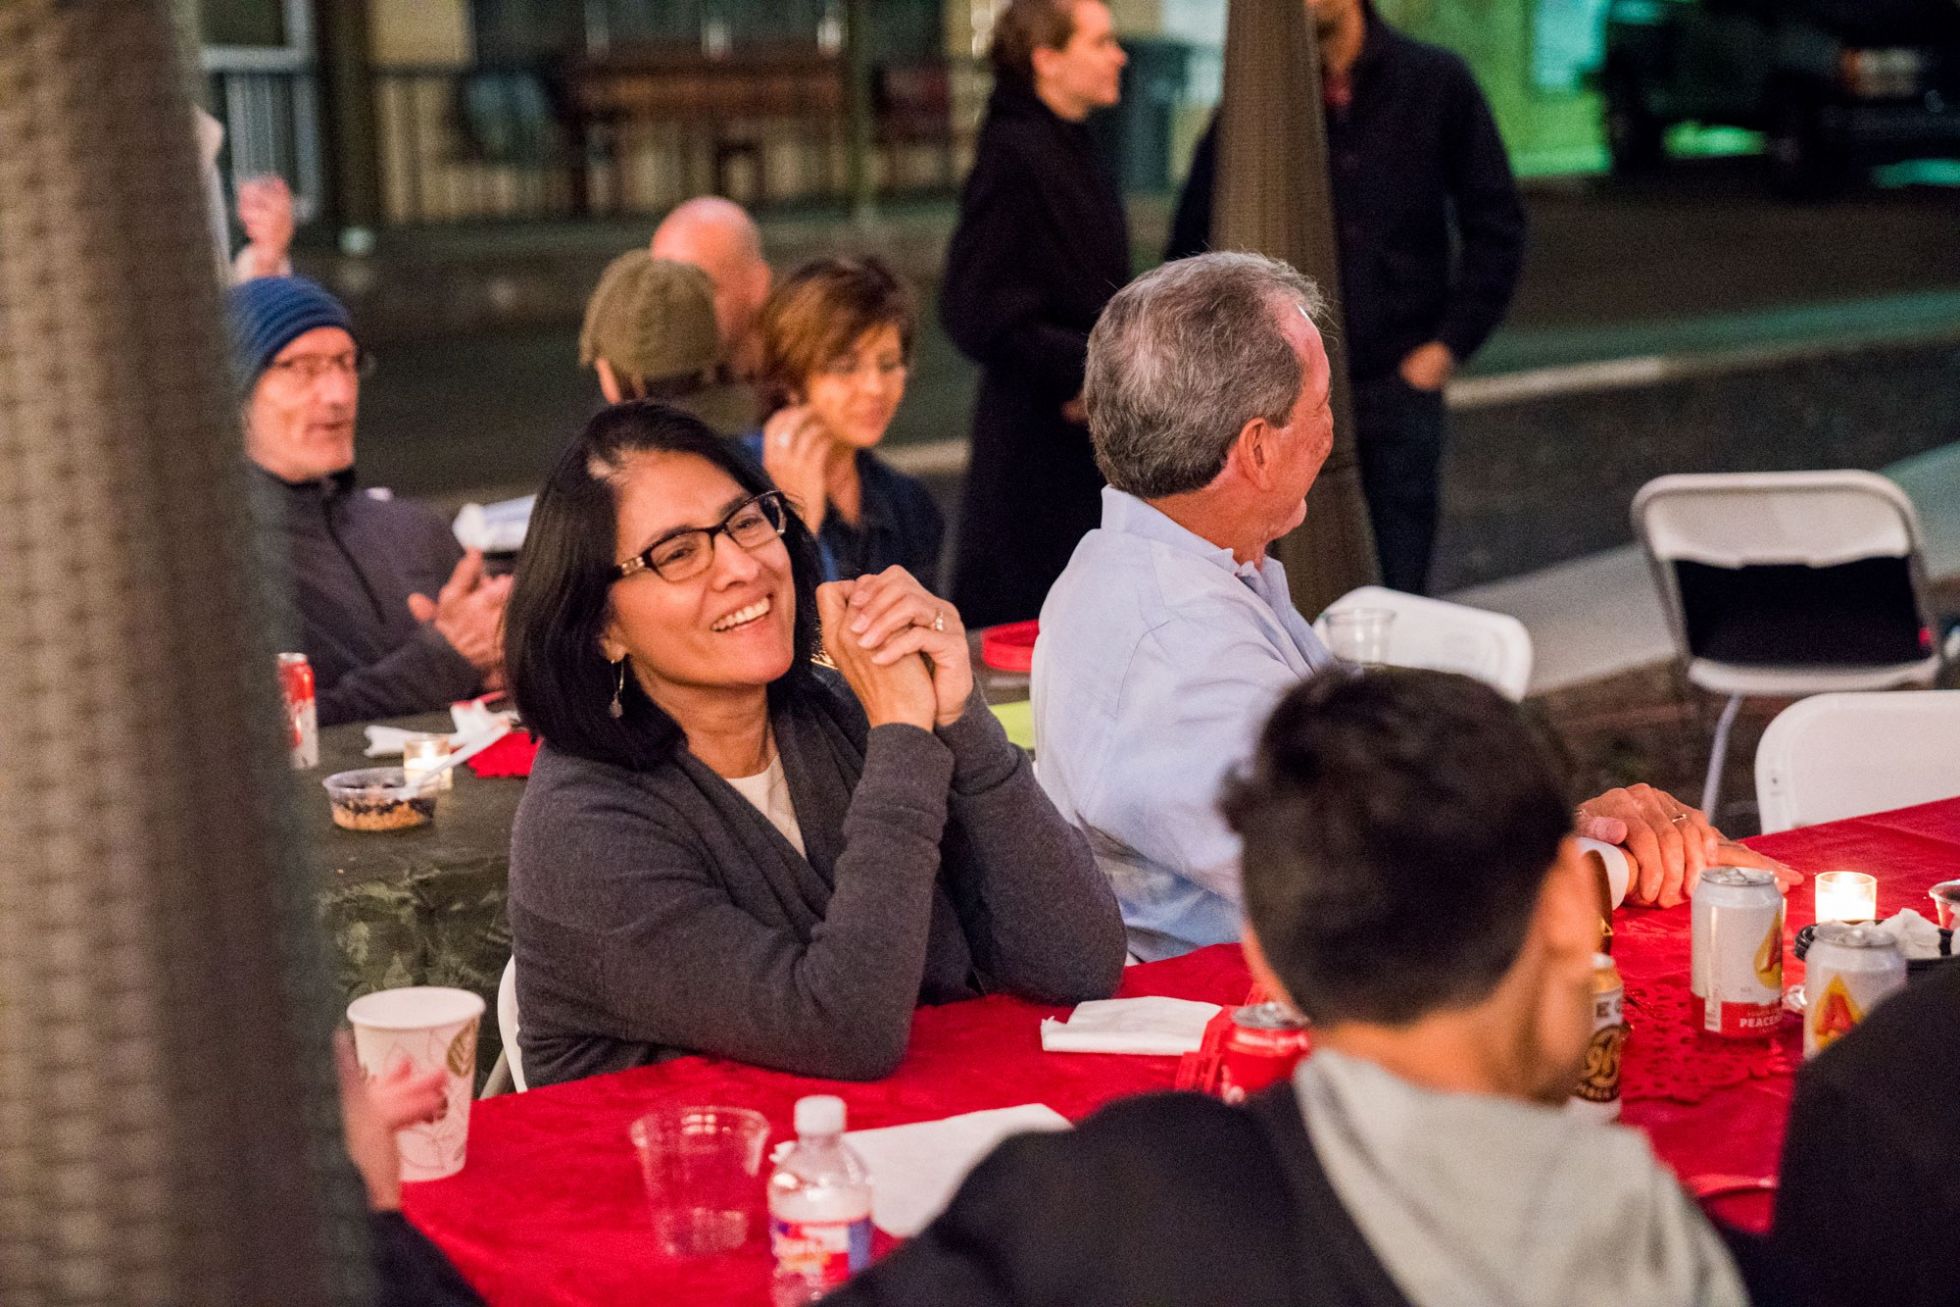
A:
(1171, 634)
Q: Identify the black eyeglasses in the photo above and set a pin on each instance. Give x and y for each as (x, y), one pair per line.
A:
(686, 554)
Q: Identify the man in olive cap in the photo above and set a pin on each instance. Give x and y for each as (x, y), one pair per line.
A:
(650, 334)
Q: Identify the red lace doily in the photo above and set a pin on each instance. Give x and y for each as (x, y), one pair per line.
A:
(1666, 1057)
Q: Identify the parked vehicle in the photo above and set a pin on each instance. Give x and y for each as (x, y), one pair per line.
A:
(1835, 86)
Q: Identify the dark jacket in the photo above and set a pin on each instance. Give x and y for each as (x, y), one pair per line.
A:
(1174, 1200)
(353, 560)
(898, 524)
(1415, 162)
(410, 1271)
(1869, 1200)
(1040, 247)
(658, 912)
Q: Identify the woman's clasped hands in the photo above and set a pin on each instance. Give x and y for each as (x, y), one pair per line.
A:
(901, 648)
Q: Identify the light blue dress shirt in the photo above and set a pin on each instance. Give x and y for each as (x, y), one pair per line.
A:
(1158, 663)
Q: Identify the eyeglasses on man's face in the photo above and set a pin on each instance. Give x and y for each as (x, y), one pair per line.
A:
(305, 369)
(685, 554)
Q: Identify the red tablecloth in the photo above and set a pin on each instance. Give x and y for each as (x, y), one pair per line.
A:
(550, 1211)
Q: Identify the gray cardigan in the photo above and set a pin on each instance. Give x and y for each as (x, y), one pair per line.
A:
(658, 912)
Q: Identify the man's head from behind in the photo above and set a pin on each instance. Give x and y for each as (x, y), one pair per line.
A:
(649, 329)
(298, 370)
(1208, 377)
(719, 237)
(1407, 862)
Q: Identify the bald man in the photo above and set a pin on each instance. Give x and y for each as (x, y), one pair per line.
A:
(718, 237)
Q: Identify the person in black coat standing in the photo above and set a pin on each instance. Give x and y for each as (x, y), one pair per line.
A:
(1040, 247)
(1431, 236)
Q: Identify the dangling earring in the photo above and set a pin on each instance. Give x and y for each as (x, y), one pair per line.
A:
(618, 708)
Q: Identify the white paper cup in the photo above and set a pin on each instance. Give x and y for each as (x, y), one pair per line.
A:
(1619, 867)
(427, 1027)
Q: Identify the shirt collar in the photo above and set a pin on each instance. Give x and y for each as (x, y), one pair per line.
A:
(332, 486)
(1125, 514)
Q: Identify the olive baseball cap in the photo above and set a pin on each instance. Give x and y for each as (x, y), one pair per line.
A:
(651, 319)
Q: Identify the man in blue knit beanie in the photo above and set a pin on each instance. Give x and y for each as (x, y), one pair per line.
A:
(392, 613)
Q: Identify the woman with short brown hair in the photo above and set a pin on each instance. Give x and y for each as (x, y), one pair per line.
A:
(836, 348)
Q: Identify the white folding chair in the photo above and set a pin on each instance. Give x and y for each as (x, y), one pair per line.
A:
(508, 1073)
(1787, 584)
(1492, 647)
(1844, 755)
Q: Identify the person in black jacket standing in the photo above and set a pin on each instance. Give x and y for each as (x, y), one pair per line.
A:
(1417, 168)
(1040, 247)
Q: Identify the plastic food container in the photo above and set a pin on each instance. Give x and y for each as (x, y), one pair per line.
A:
(380, 798)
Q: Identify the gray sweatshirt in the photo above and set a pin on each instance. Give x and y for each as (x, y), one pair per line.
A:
(1475, 1201)
(658, 912)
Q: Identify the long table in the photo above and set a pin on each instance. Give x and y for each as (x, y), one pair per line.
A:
(424, 906)
(550, 1210)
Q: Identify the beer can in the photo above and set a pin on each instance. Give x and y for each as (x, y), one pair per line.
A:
(302, 710)
(1265, 1042)
(1598, 1094)
(1736, 968)
(1846, 972)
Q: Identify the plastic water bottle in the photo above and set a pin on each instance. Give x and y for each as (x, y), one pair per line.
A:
(819, 1207)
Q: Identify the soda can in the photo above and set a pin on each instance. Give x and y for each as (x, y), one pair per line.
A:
(302, 710)
(1598, 1094)
(1265, 1042)
(1736, 971)
(1847, 971)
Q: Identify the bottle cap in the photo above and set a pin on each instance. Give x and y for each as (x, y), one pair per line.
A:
(820, 1114)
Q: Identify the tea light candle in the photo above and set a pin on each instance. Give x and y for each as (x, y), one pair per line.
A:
(422, 754)
(1847, 896)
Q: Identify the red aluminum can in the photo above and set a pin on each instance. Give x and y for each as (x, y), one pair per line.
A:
(302, 710)
(1264, 1044)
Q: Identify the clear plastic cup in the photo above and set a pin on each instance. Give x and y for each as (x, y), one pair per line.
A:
(703, 1172)
(1360, 635)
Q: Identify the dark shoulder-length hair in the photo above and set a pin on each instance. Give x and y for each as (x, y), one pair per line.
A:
(562, 597)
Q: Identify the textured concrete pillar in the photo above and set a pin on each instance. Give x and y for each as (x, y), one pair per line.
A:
(1272, 195)
(167, 1127)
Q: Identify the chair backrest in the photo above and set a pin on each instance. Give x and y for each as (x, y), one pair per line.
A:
(507, 1023)
(1787, 567)
(1843, 755)
(1492, 647)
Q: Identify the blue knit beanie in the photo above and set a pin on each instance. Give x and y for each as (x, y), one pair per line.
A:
(269, 313)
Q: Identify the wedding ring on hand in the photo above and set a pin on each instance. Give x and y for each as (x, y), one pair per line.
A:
(938, 620)
(1678, 818)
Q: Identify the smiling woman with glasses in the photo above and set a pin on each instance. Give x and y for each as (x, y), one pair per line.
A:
(726, 848)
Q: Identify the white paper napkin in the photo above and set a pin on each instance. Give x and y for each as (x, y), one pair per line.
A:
(1156, 1026)
(1916, 936)
(916, 1169)
(497, 528)
(476, 728)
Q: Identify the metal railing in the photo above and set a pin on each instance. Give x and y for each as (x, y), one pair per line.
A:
(528, 142)
(543, 140)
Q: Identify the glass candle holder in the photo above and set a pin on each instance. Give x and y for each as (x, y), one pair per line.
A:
(1847, 896)
(422, 754)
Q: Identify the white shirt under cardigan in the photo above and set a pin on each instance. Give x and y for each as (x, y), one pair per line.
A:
(1160, 657)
